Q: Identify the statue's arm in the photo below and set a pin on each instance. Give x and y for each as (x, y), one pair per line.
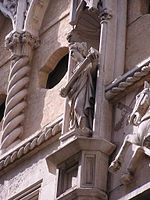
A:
(91, 57)
(94, 55)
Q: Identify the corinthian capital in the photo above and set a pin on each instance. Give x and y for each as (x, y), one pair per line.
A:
(21, 43)
(28, 38)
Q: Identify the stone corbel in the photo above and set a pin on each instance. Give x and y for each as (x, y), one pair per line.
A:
(79, 163)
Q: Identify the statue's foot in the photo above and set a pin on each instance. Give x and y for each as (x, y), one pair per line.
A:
(146, 142)
(126, 178)
(114, 166)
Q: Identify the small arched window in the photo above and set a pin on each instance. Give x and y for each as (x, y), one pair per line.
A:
(58, 73)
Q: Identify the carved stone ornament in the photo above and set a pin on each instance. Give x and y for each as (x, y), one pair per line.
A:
(105, 14)
(140, 117)
(20, 41)
(80, 88)
(9, 9)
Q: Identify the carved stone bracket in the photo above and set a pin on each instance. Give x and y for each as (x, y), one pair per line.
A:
(82, 160)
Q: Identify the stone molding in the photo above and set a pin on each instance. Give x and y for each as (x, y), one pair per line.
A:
(124, 82)
(46, 133)
(29, 193)
(80, 143)
(86, 193)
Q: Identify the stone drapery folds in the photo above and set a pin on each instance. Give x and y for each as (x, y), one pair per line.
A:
(80, 88)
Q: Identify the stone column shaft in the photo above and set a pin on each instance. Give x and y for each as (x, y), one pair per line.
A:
(21, 45)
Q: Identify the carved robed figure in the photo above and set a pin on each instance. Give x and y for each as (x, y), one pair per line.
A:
(81, 87)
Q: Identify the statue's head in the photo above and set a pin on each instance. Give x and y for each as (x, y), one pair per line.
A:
(78, 51)
(141, 106)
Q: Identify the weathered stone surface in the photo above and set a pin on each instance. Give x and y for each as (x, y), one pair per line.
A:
(67, 165)
(137, 47)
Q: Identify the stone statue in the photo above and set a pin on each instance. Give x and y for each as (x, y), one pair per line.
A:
(140, 117)
(81, 87)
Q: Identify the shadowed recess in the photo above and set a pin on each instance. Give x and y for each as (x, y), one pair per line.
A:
(58, 73)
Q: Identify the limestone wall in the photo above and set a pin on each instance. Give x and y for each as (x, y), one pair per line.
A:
(137, 41)
(28, 173)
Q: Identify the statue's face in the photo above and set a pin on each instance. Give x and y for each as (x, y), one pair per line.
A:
(76, 51)
(76, 55)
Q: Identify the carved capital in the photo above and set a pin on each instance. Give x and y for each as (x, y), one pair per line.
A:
(21, 43)
(12, 39)
(105, 15)
(28, 38)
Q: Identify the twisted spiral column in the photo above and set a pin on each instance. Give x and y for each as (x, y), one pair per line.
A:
(17, 91)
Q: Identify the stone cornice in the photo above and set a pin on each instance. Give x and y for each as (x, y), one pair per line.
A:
(29, 144)
(125, 83)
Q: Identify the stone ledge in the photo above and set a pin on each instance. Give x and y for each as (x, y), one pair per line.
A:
(126, 83)
(139, 193)
(80, 143)
(84, 193)
(29, 144)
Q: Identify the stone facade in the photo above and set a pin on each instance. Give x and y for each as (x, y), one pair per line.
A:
(74, 100)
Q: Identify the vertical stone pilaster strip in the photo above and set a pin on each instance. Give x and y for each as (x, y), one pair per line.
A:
(21, 45)
(101, 126)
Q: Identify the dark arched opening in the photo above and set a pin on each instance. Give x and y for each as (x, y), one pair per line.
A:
(58, 73)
